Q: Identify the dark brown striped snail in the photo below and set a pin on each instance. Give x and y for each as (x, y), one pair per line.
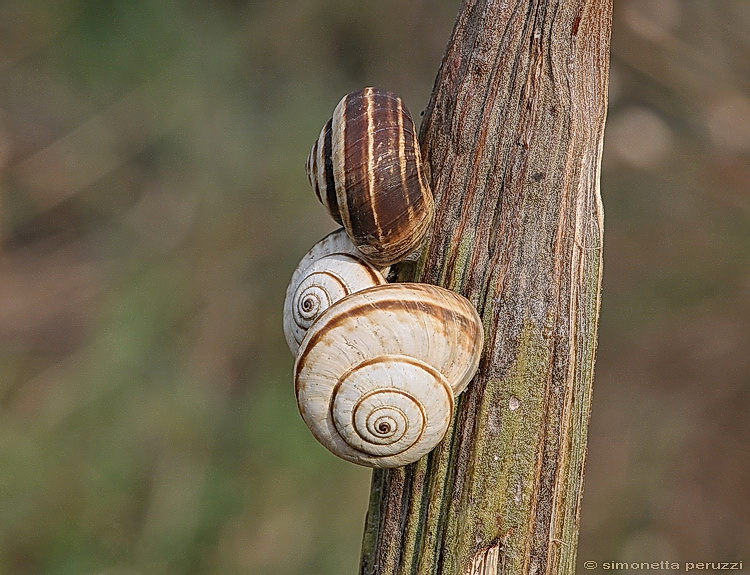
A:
(366, 169)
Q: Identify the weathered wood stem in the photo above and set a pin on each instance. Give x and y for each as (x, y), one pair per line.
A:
(513, 137)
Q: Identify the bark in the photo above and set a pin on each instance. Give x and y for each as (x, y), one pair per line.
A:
(513, 138)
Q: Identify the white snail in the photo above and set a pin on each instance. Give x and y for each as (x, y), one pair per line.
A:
(332, 269)
(377, 373)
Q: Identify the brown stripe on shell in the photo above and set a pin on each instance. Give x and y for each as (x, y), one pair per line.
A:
(312, 170)
(442, 314)
(337, 156)
(412, 216)
(403, 160)
(404, 213)
(356, 190)
(375, 276)
(389, 194)
(331, 201)
(384, 358)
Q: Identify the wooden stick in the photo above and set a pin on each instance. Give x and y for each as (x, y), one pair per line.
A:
(513, 138)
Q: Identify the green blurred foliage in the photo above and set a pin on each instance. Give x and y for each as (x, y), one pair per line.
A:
(668, 468)
(154, 205)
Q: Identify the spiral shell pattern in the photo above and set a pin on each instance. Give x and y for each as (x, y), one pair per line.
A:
(331, 270)
(366, 170)
(382, 408)
(376, 374)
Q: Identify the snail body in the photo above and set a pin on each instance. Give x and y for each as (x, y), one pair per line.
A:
(377, 373)
(366, 169)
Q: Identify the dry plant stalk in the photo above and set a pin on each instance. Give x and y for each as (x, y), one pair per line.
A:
(513, 138)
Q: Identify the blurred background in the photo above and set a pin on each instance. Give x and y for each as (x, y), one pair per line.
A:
(154, 205)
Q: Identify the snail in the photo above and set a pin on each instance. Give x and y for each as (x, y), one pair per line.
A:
(377, 372)
(366, 169)
(332, 269)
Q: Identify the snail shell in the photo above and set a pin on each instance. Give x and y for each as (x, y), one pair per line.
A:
(377, 373)
(331, 270)
(367, 171)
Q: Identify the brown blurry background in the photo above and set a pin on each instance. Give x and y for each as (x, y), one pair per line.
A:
(154, 205)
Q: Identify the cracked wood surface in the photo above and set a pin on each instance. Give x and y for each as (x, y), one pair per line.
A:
(512, 138)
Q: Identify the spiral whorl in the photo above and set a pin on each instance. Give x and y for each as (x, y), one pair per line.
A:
(383, 407)
(331, 270)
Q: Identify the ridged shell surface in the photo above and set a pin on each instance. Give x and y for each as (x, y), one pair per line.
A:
(330, 271)
(376, 374)
(366, 169)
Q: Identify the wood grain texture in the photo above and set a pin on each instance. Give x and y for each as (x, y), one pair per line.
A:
(513, 138)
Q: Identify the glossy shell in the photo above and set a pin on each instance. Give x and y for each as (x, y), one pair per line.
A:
(331, 270)
(376, 374)
(366, 170)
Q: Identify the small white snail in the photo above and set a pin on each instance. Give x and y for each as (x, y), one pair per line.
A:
(332, 269)
(377, 372)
